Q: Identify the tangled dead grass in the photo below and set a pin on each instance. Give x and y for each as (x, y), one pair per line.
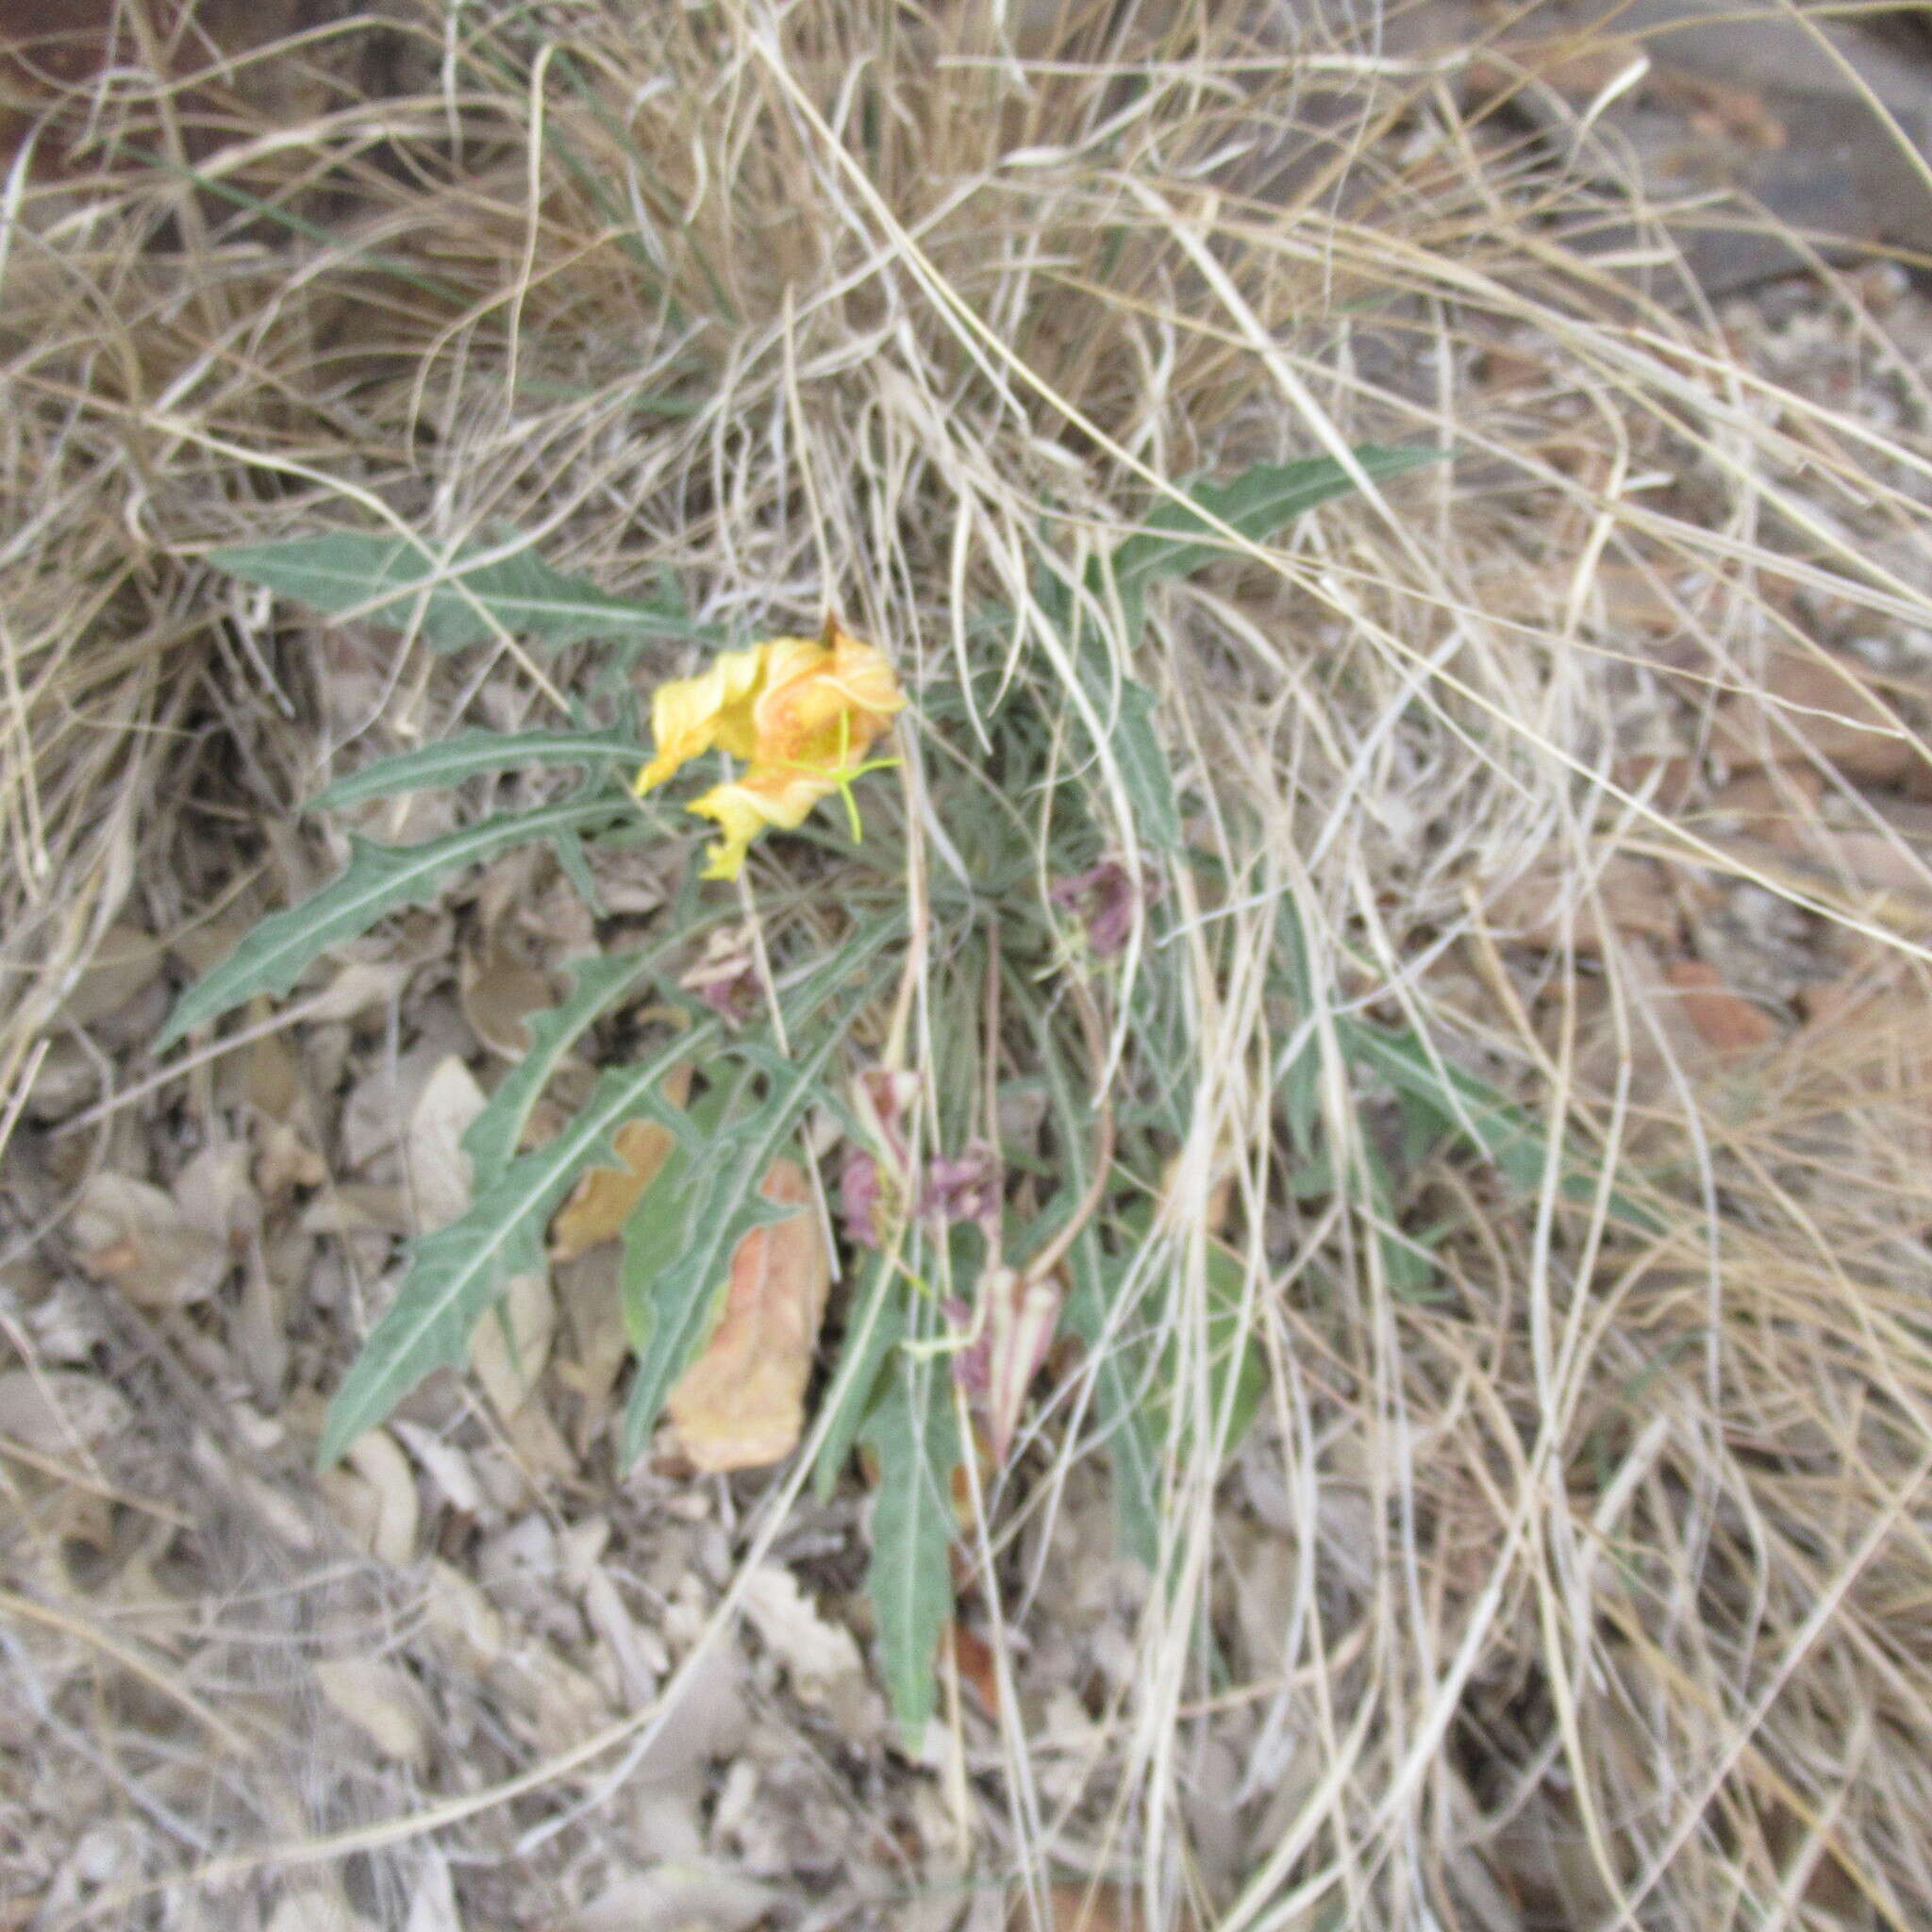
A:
(1589, 1591)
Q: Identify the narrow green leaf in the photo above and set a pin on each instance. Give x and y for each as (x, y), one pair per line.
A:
(1119, 1357)
(678, 1262)
(1125, 708)
(1467, 1105)
(915, 1436)
(1235, 1371)
(877, 1324)
(1175, 542)
(1121, 1370)
(456, 600)
(377, 879)
(471, 755)
(1127, 714)
(493, 1136)
(456, 1273)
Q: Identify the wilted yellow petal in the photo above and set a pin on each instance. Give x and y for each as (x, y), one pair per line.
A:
(822, 704)
(689, 715)
(802, 712)
(760, 798)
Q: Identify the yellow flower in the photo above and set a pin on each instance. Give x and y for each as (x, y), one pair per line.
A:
(801, 712)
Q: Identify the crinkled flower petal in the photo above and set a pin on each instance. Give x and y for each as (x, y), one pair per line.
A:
(691, 714)
(762, 798)
(823, 702)
(802, 712)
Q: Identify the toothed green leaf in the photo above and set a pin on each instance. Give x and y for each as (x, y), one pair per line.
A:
(1176, 540)
(377, 879)
(466, 598)
(1127, 714)
(456, 1273)
(678, 1244)
(471, 755)
(493, 1136)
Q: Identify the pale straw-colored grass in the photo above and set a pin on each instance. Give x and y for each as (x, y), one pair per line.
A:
(1608, 1582)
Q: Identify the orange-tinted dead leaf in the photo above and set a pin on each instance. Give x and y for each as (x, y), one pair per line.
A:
(741, 1404)
(974, 1655)
(1776, 803)
(1724, 1019)
(1634, 894)
(1077, 1907)
(1821, 706)
(604, 1199)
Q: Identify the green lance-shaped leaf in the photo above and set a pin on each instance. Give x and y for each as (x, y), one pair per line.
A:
(471, 755)
(1126, 715)
(1176, 541)
(377, 879)
(466, 598)
(493, 1135)
(1121, 1370)
(1467, 1105)
(1120, 1361)
(915, 1436)
(456, 1272)
(875, 1328)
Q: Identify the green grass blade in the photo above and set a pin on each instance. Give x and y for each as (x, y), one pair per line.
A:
(1176, 541)
(456, 1273)
(377, 879)
(472, 754)
(457, 600)
(915, 1436)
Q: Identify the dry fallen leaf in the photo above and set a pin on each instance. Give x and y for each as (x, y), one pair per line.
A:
(60, 1412)
(498, 991)
(317, 1911)
(134, 1235)
(511, 1343)
(604, 1199)
(1724, 1021)
(741, 1404)
(461, 1618)
(362, 986)
(382, 1701)
(392, 1529)
(819, 1655)
(677, 1898)
(1073, 1908)
(1632, 893)
(438, 1168)
(123, 964)
(1815, 704)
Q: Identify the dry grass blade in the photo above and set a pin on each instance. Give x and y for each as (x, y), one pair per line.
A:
(1576, 1570)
